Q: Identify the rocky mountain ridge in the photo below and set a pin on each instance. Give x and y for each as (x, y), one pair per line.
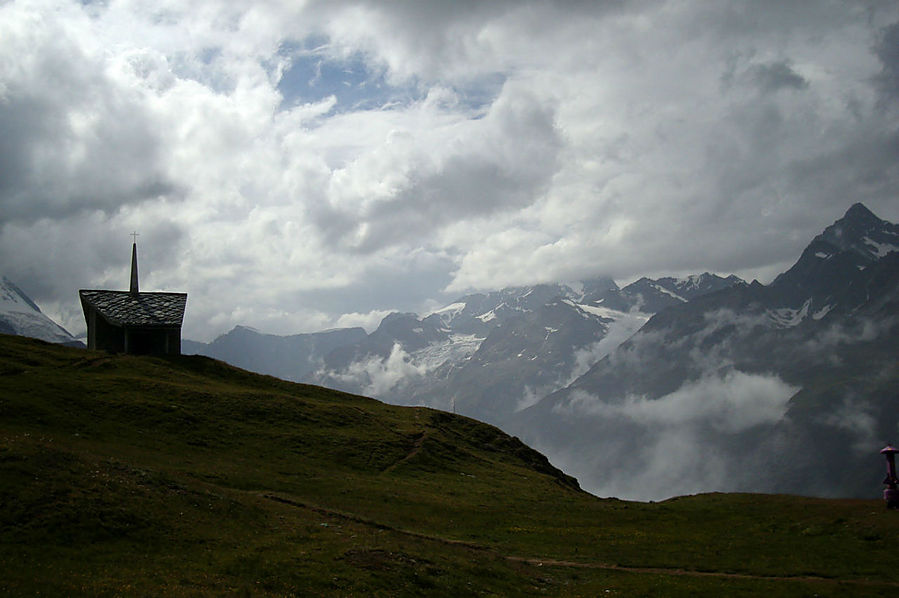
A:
(730, 390)
(486, 355)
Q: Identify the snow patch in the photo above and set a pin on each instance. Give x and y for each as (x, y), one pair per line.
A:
(786, 317)
(448, 313)
(490, 315)
(822, 312)
(665, 291)
(455, 349)
(880, 249)
(614, 314)
(577, 307)
(452, 308)
(691, 282)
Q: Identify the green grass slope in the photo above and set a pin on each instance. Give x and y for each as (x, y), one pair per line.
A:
(124, 476)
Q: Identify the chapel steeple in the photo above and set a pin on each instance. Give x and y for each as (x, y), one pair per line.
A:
(134, 286)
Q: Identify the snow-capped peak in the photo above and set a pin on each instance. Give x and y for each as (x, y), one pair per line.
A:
(12, 298)
(21, 316)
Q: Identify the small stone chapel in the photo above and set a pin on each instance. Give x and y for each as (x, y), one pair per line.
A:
(131, 321)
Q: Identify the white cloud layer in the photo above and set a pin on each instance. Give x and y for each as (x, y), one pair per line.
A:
(288, 164)
(679, 443)
(728, 403)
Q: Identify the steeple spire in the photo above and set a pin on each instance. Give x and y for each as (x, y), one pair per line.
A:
(134, 288)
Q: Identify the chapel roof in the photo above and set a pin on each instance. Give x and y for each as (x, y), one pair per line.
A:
(124, 308)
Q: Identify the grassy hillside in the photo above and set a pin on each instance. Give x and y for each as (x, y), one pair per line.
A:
(128, 476)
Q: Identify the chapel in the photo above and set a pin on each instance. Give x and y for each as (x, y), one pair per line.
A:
(131, 321)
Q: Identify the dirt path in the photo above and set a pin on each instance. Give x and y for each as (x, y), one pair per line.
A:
(416, 448)
(549, 562)
(537, 562)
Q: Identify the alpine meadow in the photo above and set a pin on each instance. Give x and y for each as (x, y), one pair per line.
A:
(126, 475)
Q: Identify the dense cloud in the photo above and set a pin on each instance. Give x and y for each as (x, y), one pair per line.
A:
(377, 376)
(294, 166)
(887, 50)
(73, 138)
(729, 402)
(680, 443)
(777, 76)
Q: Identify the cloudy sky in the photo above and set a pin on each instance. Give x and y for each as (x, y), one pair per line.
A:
(295, 166)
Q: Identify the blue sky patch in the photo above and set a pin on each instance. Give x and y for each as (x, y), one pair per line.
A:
(358, 85)
(314, 76)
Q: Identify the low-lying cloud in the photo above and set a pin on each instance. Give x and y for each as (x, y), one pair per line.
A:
(377, 376)
(680, 443)
(729, 403)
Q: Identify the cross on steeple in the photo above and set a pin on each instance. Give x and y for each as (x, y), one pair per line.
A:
(135, 235)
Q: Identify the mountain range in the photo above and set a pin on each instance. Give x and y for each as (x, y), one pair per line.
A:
(789, 387)
(661, 387)
(485, 355)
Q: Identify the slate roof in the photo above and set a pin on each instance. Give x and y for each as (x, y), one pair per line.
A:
(146, 309)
